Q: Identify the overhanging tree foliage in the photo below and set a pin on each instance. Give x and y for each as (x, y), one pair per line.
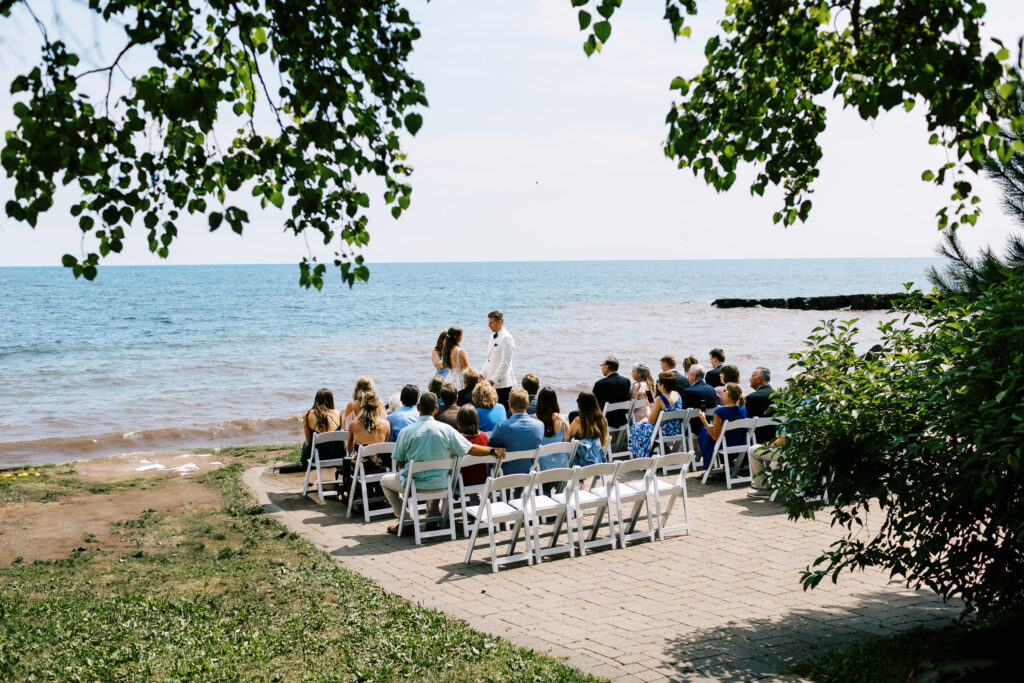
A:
(760, 99)
(295, 103)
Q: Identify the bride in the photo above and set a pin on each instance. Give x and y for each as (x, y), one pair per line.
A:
(454, 358)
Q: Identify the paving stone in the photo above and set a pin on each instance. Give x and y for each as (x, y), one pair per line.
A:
(723, 603)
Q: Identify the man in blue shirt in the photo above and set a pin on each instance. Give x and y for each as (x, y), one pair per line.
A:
(426, 439)
(406, 415)
(520, 432)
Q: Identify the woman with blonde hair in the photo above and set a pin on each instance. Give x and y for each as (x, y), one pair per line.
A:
(732, 410)
(641, 434)
(368, 428)
(642, 391)
(363, 385)
(590, 429)
(485, 398)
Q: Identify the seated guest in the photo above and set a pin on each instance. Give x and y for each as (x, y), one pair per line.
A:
(448, 408)
(556, 428)
(406, 414)
(698, 395)
(485, 398)
(322, 417)
(668, 364)
(363, 385)
(759, 403)
(519, 432)
(641, 434)
(714, 376)
(468, 424)
(532, 385)
(730, 375)
(612, 388)
(368, 428)
(687, 363)
(436, 383)
(709, 433)
(470, 377)
(642, 391)
(426, 439)
(590, 429)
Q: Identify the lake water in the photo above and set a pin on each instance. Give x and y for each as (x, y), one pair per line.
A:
(156, 357)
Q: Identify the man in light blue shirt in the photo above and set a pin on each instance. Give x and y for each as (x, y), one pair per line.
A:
(406, 415)
(426, 439)
(518, 433)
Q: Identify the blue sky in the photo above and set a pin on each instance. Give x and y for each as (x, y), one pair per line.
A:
(530, 150)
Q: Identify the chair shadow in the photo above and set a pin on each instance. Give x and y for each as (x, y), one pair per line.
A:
(751, 649)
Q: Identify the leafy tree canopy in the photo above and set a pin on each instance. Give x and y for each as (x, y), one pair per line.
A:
(760, 98)
(295, 103)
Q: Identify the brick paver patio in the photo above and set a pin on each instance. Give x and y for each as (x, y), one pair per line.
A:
(723, 603)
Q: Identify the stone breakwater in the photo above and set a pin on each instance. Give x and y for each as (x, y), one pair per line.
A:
(853, 302)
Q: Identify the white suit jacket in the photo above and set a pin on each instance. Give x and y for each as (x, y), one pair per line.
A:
(498, 366)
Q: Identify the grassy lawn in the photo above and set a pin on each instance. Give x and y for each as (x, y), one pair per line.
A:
(975, 652)
(225, 594)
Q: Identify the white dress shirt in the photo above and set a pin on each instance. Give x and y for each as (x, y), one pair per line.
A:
(498, 366)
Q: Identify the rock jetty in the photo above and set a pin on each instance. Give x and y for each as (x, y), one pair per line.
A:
(851, 302)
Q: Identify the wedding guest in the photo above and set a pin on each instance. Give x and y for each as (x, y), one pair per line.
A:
(470, 377)
(760, 404)
(714, 376)
(468, 424)
(590, 429)
(363, 385)
(730, 374)
(668, 364)
(698, 395)
(612, 388)
(687, 363)
(454, 358)
(642, 391)
(532, 385)
(436, 382)
(369, 427)
(448, 398)
(321, 418)
(437, 355)
(709, 433)
(556, 428)
(485, 398)
(406, 414)
(497, 369)
(519, 432)
(641, 434)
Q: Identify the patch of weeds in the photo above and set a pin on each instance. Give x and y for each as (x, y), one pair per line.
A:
(148, 518)
(290, 452)
(89, 538)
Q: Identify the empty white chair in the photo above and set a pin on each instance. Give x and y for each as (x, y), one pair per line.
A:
(618, 437)
(413, 497)
(319, 464)
(464, 490)
(361, 480)
(539, 506)
(767, 426)
(671, 489)
(721, 457)
(595, 501)
(493, 511)
(638, 493)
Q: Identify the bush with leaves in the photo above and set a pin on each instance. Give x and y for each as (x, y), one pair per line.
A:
(917, 448)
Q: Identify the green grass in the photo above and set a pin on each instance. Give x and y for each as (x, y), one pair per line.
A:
(51, 482)
(231, 594)
(974, 652)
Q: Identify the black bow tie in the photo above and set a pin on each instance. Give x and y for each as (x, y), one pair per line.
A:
(495, 336)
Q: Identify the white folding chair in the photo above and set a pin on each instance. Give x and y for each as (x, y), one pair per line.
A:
(675, 443)
(315, 461)
(556, 455)
(539, 506)
(464, 490)
(761, 423)
(618, 437)
(521, 458)
(595, 500)
(493, 511)
(661, 488)
(413, 497)
(722, 454)
(361, 479)
(637, 492)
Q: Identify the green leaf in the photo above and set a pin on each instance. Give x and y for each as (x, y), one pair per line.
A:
(413, 122)
(215, 220)
(584, 17)
(277, 199)
(602, 30)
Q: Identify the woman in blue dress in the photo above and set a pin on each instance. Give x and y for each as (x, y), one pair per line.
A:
(641, 433)
(590, 429)
(709, 433)
(485, 398)
(555, 428)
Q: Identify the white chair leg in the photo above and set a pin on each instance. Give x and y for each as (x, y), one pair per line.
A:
(472, 540)
(352, 489)
(319, 481)
(366, 498)
(494, 550)
(309, 466)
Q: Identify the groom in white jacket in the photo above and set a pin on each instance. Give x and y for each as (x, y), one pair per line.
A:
(498, 367)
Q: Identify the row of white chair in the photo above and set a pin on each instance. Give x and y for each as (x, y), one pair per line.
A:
(522, 501)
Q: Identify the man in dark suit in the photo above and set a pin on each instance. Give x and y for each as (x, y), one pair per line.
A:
(714, 375)
(668, 364)
(612, 388)
(698, 395)
(759, 402)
